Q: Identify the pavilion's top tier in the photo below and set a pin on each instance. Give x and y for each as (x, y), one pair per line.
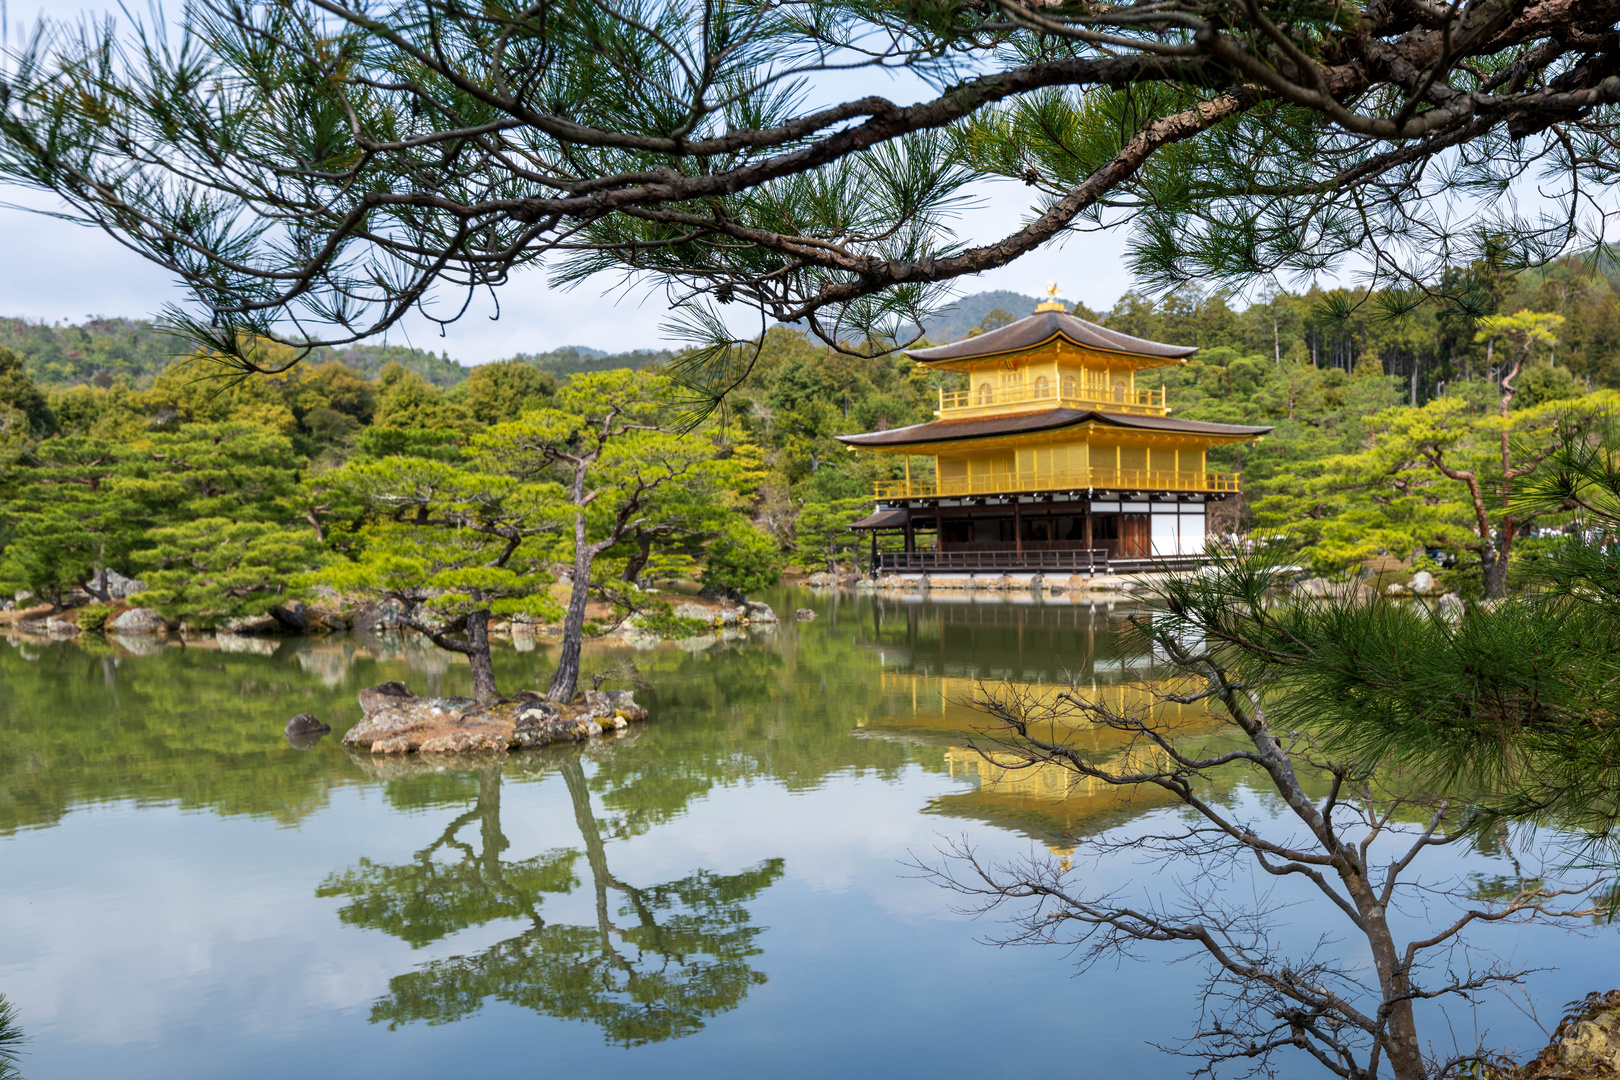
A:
(1051, 359)
(1032, 339)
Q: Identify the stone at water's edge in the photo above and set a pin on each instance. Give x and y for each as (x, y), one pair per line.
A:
(804, 614)
(375, 617)
(306, 724)
(138, 620)
(759, 612)
(1585, 1044)
(388, 693)
(606, 704)
(398, 722)
(57, 627)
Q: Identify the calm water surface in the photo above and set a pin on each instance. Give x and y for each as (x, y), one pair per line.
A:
(724, 892)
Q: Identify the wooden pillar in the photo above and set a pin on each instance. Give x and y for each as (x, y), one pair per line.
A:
(911, 537)
(939, 531)
(874, 552)
(1018, 528)
(908, 479)
(1089, 556)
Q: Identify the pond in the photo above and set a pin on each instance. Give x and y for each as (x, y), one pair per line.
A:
(725, 891)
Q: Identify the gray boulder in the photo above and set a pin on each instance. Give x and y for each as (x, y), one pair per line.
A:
(383, 616)
(759, 612)
(136, 621)
(116, 585)
(606, 704)
(251, 625)
(401, 725)
(804, 614)
(293, 615)
(1451, 607)
(388, 694)
(1423, 583)
(540, 723)
(694, 611)
(58, 627)
(1592, 1045)
(306, 724)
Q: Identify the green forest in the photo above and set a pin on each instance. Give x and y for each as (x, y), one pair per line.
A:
(228, 496)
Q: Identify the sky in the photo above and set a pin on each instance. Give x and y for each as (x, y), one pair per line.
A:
(59, 271)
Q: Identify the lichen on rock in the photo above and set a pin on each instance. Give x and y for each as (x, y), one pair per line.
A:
(1585, 1045)
(398, 722)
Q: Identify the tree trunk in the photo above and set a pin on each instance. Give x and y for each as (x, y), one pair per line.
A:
(595, 851)
(89, 585)
(566, 677)
(489, 821)
(483, 668)
(1496, 577)
(638, 561)
(1496, 555)
(1401, 1038)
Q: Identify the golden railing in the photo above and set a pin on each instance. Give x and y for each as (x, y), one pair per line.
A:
(1007, 483)
(959, 403)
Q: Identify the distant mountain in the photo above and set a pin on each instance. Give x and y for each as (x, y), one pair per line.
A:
(64, 355)
(368, 360)
(969, 311)
(573, 359)
(103, 349)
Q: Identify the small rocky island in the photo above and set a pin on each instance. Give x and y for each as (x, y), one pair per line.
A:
(396, 721)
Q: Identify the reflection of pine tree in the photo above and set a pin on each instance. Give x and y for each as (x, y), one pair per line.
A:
(656, 964)
(11, 1040)
(431, 898)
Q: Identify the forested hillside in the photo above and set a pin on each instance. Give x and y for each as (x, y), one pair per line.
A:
(967, 313)
(101, 350)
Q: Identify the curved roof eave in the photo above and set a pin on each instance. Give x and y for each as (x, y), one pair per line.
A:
(1044, 326)
(985, 427)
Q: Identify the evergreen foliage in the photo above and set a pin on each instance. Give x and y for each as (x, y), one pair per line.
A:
(453, 547)
(211, 570)
(1508, 707)
(629, 480)
(67, 517)
(743, 560)
(11, 1040)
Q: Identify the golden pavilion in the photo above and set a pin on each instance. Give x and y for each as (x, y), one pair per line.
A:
(1053, 458)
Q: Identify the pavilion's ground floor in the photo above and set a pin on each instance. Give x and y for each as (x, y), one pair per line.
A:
(1038, 532)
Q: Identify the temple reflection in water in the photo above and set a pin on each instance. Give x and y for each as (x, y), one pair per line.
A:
(940, 659)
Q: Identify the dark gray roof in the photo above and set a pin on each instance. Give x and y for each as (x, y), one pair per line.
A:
(883, 519)
(1043, 326)
(980, 427)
